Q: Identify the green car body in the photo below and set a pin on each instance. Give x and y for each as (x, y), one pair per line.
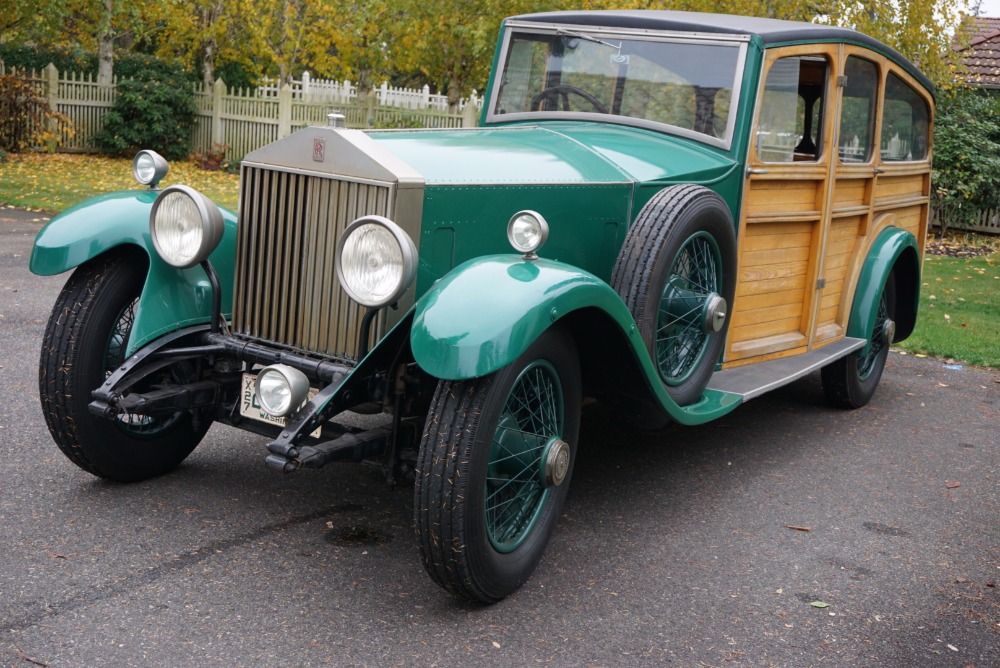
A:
(645, 215)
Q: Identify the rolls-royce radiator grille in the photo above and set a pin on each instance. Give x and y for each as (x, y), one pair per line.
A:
(287, 290)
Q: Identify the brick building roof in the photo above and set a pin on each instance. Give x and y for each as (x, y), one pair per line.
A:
(982, 56)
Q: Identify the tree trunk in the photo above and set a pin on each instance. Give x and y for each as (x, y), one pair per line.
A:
(208, 62)
(106, 45)
(454, 94)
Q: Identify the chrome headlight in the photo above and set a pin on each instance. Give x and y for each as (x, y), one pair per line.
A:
(281, 389)
(149, 168)
(527, 231)
(376, 261)
(186, 226)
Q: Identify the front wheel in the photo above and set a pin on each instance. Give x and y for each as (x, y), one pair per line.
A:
(495, 463)
(850, 382)
(85, 340)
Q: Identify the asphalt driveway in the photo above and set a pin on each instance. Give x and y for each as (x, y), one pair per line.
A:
(707, 546)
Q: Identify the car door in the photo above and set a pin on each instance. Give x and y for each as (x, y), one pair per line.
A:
(786, 205)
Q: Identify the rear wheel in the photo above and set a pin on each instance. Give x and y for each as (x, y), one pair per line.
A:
(850, 382)
(85, 340)
(494, 467)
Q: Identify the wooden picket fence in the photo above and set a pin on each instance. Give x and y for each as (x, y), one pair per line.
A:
(244, 120)
(342, 92)
(988, 222)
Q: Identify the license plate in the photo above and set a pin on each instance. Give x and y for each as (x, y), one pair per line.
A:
(250, 407)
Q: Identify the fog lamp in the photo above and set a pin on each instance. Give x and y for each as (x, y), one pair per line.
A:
(281, 389)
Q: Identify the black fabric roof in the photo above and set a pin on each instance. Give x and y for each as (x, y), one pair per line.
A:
(770, 31)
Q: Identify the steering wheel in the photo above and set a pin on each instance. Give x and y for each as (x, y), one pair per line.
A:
(554, 93)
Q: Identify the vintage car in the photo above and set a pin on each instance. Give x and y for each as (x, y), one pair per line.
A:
(669, 212)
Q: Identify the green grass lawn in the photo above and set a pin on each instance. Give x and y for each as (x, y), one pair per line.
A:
(959, 300)
(56, 182)
(959, 310)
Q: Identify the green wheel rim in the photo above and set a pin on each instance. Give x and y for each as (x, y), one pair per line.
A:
(867, 361)
(681, 336)
(138, 426)
(515, 489)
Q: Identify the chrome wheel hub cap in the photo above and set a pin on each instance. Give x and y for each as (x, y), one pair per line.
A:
(716, 310)
(555, 462)
(888, 331)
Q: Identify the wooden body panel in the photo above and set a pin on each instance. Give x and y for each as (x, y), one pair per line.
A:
(808, 221)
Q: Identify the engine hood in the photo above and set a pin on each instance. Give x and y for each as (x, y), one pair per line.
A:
(558, 153)
(568, 153)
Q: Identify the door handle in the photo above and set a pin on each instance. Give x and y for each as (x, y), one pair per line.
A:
(877, 171)
(753, 170)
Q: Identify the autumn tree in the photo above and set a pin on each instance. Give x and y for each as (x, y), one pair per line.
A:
(205, 33)
(921, 30)
(450, 42)
(367, 44)
(31, 20)
(293, 34)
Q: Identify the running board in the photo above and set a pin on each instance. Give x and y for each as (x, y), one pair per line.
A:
(754, 380)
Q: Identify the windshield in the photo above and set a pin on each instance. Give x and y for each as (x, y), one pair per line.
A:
(684, 83)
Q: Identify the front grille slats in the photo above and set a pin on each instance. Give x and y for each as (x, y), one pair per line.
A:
(286, 289)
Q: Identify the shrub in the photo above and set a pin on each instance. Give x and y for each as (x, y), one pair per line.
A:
(966, 156)
(396, 122)
(34, 58)
(26, 120)
(154, 113)
(142, 66)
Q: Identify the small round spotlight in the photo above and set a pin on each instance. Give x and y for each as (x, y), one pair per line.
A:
(527, 231)
(281, 389)
(149, 168)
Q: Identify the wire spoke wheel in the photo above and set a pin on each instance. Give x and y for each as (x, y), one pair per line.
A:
(681, 338)
(85, 340)
(877, 340)
(515, 490)
(676, 273)
(139, 426)
(494, 466)
(851, 381)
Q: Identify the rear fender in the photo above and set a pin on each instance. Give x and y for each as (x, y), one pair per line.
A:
(486, 312)
(171, 298)
(892, 249)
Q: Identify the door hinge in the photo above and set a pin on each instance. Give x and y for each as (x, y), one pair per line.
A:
(842, 81)
(820, 283)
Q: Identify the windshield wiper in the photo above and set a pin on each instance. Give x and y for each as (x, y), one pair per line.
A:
(589, 38)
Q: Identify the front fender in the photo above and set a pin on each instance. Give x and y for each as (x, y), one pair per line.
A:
(171, 298)
(487, 311)
(889, 246)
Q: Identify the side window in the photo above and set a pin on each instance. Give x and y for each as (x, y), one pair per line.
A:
(857, 114)
(905, 121)
(791, 110)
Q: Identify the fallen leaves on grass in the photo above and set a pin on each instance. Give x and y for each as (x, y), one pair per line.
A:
(55, 182)
(958, 246)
